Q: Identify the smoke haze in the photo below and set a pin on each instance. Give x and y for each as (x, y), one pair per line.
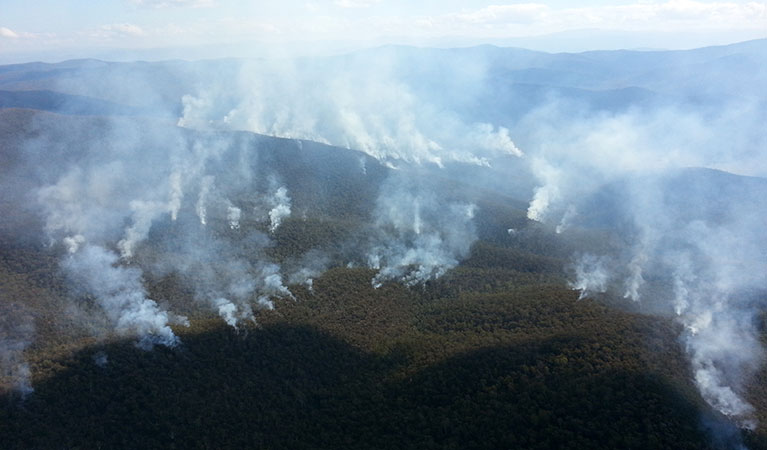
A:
(693, 235)
(668, 171)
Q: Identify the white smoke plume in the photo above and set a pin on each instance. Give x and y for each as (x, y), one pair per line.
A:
(202, 198)
(176, 195)
(233, 278)
(144, 214)
(365, 105)
(635, 280)
(80, 203)
(116, 199)
(628, 172)
(420, 237)
(279, 203)
(305, 276)
(570, 213)
(711, 300)
(87, 207)
(233, 215)
(591, 275)
(547, 193)
(120, 293)
(271, 285)
(437, 112)
(227, 310)
(73, 243)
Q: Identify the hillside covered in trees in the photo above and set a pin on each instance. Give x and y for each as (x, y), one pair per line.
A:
(171, 280)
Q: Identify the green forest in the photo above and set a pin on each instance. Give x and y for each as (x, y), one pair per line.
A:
(497, 353)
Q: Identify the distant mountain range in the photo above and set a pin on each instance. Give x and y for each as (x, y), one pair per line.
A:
(516, 78)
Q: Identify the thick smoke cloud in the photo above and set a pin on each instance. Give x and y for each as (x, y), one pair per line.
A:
(376, 104)
(103, 207)
(691, 241)
(420, 235)
(688, 242)
(121, 294)
(362, 104)
(133, 178)
(86, 209)
(279, 204)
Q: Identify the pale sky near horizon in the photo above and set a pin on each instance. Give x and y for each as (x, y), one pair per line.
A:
(82, 26)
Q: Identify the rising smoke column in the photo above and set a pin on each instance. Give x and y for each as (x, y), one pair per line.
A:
(103, 207)
(715, 270)
(419, 237)
(121, 295)
(278, 202)
(232, 275)
(698, 240)
(713, 296)
(365, 106)
(367, 103)
(85, 209)
(591, 273)
(202, 199)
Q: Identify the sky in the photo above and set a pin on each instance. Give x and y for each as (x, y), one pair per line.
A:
(79, 28)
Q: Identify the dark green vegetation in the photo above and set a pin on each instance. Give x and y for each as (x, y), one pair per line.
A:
(498, 353)
(512, 361)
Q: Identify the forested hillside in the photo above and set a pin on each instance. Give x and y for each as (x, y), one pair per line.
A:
(178, 271)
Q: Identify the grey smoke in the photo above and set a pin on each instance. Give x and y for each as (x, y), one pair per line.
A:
(279, 203)
(16, 334)
(101, 359)
(308, 267)
(202, 198)
(591, 273)
(705, 269)
(233, 215)
(234, 279)
(104, 207)
(120, 293)
(701, 246)
(420, 236)
(87, 207)
(372, 104)
(363, 105)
